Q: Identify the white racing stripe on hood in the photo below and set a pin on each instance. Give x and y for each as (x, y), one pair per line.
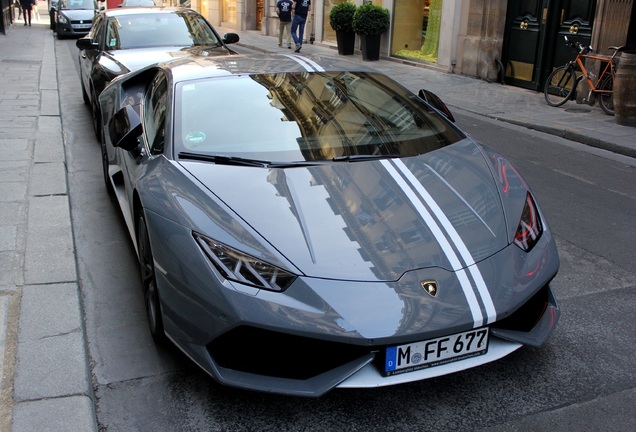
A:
(454, 236)
(458, 195)
(473, 304)
(309, 65)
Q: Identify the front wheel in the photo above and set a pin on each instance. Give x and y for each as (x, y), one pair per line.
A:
(105, 163)
(559, 87)
(606, 96)
(96, 115)
(87, 100)
(149, 282)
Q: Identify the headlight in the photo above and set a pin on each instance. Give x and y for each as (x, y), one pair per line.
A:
(243, 268)
(62, 19)
(529, 230)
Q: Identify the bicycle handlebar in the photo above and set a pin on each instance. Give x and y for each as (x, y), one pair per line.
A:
(578, 46)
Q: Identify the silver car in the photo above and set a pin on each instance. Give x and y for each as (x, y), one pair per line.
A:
(74, 18)
(304, 223)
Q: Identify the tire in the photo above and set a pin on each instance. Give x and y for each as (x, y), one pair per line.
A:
(559, 87)
(606, 100)
(85, 97)
(149, 282)
(96, 116)
(60, 35)
(107, 183)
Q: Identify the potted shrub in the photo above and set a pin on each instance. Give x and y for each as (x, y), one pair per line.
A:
(370, 21)
(341, 20)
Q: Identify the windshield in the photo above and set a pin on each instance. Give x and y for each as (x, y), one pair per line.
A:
(305, 117)
(77, 4)
(139, 3)
(180, 29)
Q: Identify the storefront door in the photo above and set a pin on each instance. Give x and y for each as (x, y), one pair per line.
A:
(259, 13)
(533, 40)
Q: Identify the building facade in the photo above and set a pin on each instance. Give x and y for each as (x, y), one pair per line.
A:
(513, 40)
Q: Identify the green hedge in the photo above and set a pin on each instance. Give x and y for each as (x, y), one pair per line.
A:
(370, 20)
(341, 17)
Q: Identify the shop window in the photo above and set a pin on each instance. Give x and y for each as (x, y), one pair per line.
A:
(229, 11)
(329, 34)
(416, 29)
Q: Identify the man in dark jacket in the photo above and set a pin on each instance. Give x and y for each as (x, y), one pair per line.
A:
(26, 10)
(301, 10)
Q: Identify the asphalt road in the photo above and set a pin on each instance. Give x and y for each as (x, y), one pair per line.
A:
(582, 379)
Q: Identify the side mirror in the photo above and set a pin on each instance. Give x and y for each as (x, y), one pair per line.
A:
(432, 99)
(86, 43)
(230, 38)
(125, 128)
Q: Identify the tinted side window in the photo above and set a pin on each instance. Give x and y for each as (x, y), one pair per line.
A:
(155, 108)
(98, 32)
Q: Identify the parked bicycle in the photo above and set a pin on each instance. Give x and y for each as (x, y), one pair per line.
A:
(562, 82)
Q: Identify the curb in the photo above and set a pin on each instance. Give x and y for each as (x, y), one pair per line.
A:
(52, 387)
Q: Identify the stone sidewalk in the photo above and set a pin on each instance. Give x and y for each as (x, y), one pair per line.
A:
(45, 381)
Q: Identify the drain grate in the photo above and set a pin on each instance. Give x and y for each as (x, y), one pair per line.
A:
(578, 110)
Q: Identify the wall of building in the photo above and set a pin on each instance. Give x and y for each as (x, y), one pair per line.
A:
(618, 13)
(471, 33)
(480, 38)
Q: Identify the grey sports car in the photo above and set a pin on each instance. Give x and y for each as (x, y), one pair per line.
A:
(304, 223)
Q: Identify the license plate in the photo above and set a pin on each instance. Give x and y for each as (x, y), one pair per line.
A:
(434, 352)
(81, 26)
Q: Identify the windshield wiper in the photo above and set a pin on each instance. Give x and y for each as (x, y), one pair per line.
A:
(225, 160)
(239, 161)
(358, 158)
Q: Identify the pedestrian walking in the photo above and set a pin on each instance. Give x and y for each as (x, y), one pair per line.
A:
(301, 10)
(26, 10)
(284, 11)
(35, 12)
(18, 9)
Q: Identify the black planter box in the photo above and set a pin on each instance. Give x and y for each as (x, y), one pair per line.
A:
(346, 42)
(370, 46)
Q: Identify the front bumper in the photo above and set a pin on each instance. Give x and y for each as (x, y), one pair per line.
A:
(363, 371)
(73, 29)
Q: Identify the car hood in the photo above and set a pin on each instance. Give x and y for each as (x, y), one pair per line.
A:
(130, 60)
(79, 14)
(373, 220)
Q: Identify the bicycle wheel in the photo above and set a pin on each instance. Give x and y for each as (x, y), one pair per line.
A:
(606, 100)
(559, 87)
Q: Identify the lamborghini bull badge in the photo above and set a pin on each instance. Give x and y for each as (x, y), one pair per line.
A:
(430, 286)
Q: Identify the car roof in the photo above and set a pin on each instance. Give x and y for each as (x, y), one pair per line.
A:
(250, 64)
(138, 10)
